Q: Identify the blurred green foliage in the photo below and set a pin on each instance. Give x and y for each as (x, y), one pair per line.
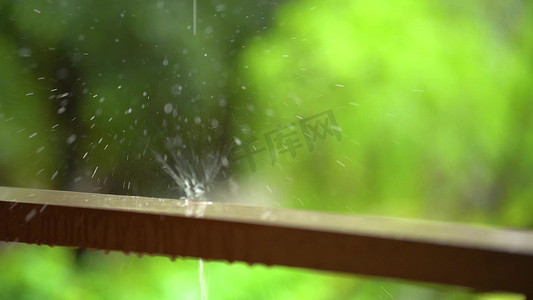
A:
(433, 100)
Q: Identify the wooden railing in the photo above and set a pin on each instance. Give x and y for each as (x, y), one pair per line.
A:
(480, 258)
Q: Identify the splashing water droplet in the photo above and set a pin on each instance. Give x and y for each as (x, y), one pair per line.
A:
(167, 108)
(71, 139)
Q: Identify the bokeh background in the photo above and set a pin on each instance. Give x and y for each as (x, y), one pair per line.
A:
(433, 103)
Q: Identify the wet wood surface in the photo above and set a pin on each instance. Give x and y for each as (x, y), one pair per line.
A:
(486, 259)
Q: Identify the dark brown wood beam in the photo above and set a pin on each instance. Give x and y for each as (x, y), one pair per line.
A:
(485, 259)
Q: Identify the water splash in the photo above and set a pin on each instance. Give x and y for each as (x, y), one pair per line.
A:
(193, 174)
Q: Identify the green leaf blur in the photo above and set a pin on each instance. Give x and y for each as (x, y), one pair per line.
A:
(434, 103)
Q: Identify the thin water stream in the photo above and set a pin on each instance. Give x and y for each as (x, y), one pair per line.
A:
(202, 279)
